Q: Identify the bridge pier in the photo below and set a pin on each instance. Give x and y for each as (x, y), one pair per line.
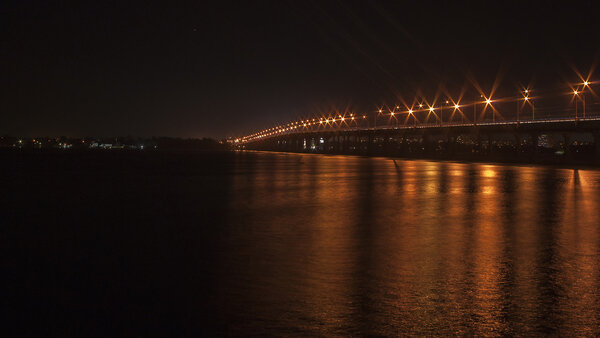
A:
(518, 144)
(478, 142)
(567, 144)
(403, 145)
(597, 145)
(534, 144)
(450, 143)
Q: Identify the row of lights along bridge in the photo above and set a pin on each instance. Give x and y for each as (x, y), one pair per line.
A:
(350, 120)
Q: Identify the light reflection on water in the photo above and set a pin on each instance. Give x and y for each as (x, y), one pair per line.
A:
(350, 245)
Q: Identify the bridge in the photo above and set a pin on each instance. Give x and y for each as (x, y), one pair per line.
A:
(566, 136)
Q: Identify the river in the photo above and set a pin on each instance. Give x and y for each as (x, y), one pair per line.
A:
(297, 244)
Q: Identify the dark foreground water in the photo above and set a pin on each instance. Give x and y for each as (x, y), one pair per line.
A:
(130, 244)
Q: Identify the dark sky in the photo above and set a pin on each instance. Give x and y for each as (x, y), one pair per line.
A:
(221, 69)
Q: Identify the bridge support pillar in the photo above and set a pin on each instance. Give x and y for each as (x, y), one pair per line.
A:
(450, 144)
(534, 144)
(518, 146)
(567, 144)
(347, 143)
(597, 145)
(478, 143)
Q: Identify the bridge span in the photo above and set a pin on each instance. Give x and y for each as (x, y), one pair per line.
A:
(551, 140)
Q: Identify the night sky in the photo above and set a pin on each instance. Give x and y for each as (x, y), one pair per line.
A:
(109, 68)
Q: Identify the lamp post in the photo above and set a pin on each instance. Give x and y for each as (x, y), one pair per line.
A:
(475, 113)
(585, 84)
(431, 110)
(487, 103)
(462, 116)
(527, 100)
(442, 113)
(376, 116)
(575, 93)
(410, 113)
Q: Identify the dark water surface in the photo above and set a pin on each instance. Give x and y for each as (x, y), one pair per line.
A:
(126, 244)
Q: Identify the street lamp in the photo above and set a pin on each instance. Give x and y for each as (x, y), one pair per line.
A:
(376, 116)
(462, 116)
(487, 103)
(442, 113)
(410, 113)
(575, 96)
(526, 100)
(475, 111)
(585, 84)
(431, 110)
